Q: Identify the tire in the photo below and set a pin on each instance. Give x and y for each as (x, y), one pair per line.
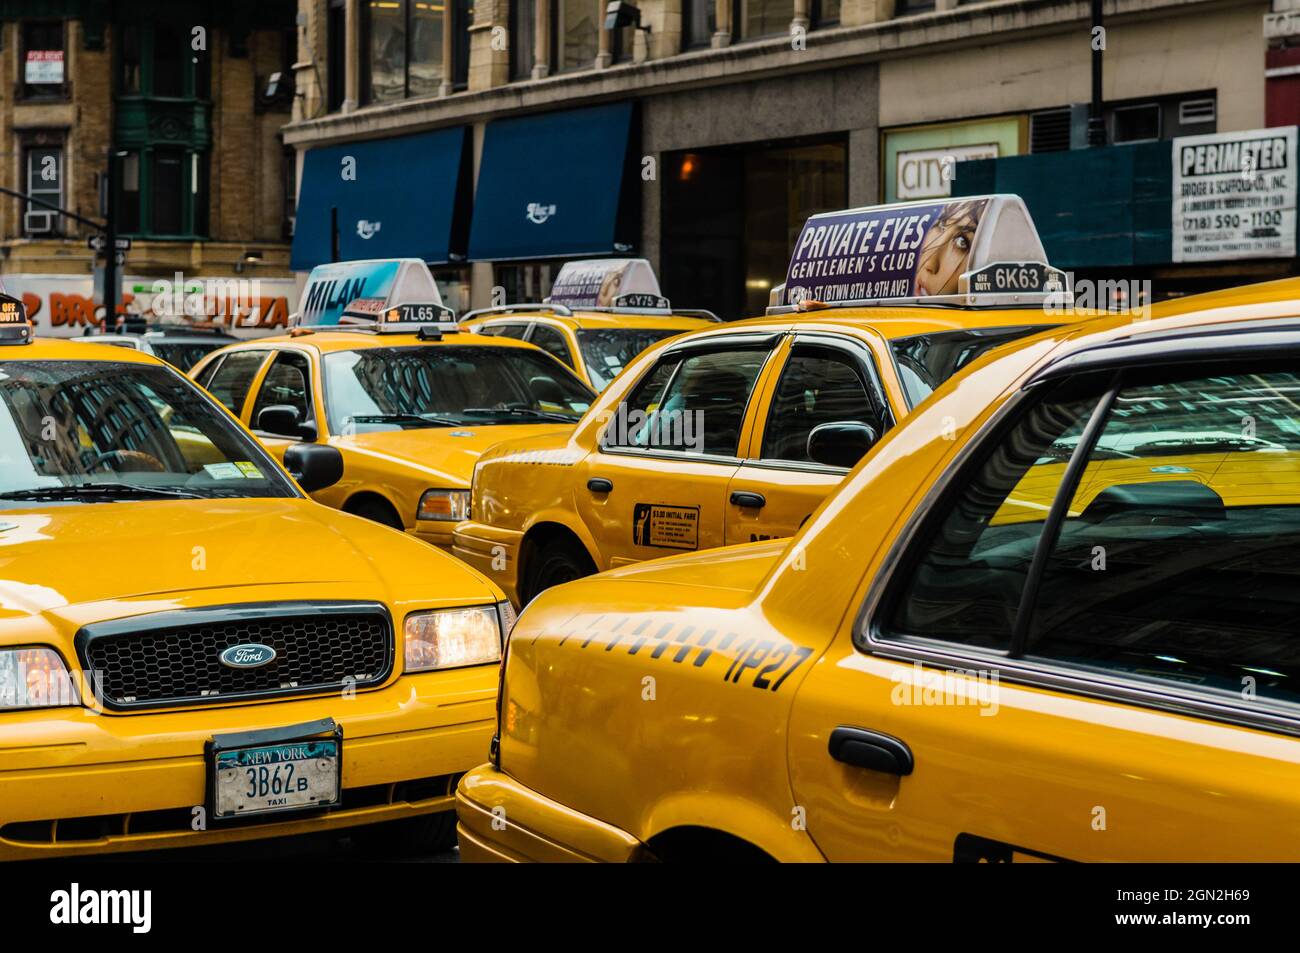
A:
(555, 563)
(429, 834)
(376, 511)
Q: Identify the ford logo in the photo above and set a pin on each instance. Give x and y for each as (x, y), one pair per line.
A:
(248, 655)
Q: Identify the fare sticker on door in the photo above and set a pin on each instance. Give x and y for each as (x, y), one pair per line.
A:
(668, 527)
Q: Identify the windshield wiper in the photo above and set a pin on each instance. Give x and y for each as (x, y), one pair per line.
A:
(432, 419)
(520, 412)
(80, 491)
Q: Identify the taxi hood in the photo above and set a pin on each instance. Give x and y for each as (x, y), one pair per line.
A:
(445, 454)
(89, 561)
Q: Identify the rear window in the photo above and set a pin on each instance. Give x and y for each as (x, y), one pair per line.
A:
(925, 361)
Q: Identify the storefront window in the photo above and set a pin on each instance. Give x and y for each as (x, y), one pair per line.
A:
(734, 213)
(462, 20)
(336, 62)
(527, 282)
(755, 18)
(699, 23)
(576, 34)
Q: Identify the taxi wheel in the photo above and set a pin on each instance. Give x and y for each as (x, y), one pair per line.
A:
(430, 834)
(556, 562)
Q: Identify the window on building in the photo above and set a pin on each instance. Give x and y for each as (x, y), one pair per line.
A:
(403, 49)
(157, 59)
(163, 192)
(462, 18)
(699, 23)
(826, 13)
(523, 38)
(756, 18)
(577, 34)
(336, 55)
(43, 169)
(43, 59)
(385, 50)
(903, 8)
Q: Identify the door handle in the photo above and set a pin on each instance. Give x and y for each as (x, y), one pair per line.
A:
(600, 485)
(754, 501)
(871, 750)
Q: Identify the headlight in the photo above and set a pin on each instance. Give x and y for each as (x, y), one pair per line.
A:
(450, 638)
(444, 505)
(34, 678)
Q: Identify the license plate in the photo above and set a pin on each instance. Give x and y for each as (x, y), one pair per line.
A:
(263, 779)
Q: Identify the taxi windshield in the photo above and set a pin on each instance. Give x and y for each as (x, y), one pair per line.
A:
(925, 361)
(185, 354)
(388, 388)
(88, 431)
(606, 351)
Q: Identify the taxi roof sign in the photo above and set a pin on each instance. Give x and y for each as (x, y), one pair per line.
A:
(375, 314)
(606, 283)
(978, 250)
(15, 328)
(335, 287)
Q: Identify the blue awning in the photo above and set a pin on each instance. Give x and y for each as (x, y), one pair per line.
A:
(396, 198)
(551, 186)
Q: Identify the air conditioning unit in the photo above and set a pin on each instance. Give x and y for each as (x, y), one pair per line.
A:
(37, 222)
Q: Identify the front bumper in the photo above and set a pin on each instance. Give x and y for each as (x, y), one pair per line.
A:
(500, 820)
(76, 782)
(492, 551)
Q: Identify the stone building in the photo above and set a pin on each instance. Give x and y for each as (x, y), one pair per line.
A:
(497, 138)
(177, 90)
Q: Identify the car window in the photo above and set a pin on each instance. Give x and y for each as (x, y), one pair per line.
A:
(1180, 551)
(552, 342)
(606, 351)
(925, 361)
(516, 331)
(392, 388)
(691, 402)
(967, 569)
(818, 385)
(103, 430)
(203, 377)
(233, 379)
(287, 383)
(184, 354)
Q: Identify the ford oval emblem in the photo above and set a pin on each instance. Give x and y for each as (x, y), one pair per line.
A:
(248, 655)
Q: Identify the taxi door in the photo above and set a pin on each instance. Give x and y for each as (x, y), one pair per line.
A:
(657, 482)
(822, 378)
(285, 382)
(1017, 686)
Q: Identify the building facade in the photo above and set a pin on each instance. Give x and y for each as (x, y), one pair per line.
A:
(175, 93)
(496, 138)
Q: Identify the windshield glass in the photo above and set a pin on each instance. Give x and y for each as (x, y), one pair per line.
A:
(185, 354)
(606, 351)
(74, 430)
(925, 361)
(386, 388)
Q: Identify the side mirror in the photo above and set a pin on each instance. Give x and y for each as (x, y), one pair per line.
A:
(545, 390)
(314, 465)
(283, 420)
(840, 443)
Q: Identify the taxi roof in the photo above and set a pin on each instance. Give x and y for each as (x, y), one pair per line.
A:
(73, 349)
(327, 341)
(580, 318)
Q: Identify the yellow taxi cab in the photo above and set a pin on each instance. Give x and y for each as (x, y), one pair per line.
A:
(600, 314)
(388, 378)
(1050, 617)
(737, 433)
(194, 652)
